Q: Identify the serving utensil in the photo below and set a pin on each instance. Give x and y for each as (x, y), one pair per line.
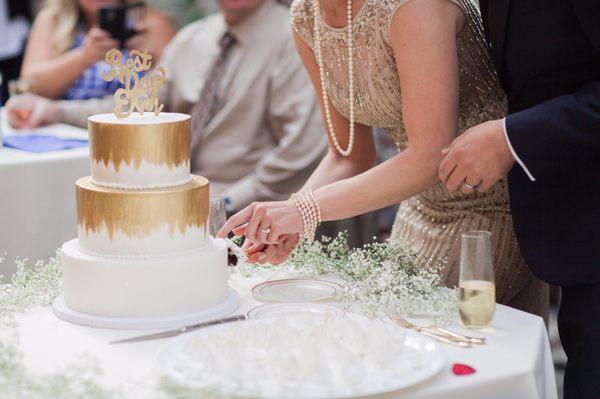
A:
(462, 337)
(438, 336)
(175, 332)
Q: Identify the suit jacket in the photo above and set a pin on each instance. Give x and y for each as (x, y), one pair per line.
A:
(547, 54)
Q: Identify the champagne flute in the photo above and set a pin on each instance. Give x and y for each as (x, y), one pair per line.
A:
(24, 106)
(477, 291)
(216, 214)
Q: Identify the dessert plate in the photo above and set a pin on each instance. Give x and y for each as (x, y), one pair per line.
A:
(296, 290)
(305, 357)
(292, 309)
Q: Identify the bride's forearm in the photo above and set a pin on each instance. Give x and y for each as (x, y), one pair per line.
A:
(397, 179)
(334, 168)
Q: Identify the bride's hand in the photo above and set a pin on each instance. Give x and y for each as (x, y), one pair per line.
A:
(274, 254)
(264, 222)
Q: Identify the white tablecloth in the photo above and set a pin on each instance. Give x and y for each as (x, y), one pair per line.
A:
(515, 364)
(37, 197)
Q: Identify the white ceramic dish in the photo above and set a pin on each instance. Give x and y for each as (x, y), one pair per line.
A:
(296, 290)
(420, 360)
(292, 309)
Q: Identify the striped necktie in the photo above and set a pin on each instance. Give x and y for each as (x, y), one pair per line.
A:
(207, 105)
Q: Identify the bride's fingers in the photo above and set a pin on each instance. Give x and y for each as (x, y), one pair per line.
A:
(255, 221)
(285, 249)
(255, 257)
(268, 254)
(236, 220)
(240, 230)
(279, 256)
(254, 248)
(274, 238)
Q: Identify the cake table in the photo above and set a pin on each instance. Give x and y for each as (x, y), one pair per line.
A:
(516, 363)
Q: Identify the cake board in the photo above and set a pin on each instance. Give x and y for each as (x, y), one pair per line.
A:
(227, 306)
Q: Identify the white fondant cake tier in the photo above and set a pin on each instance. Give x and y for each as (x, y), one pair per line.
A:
(114, 222)
(157, 243)
(141, 151)
(145, 287)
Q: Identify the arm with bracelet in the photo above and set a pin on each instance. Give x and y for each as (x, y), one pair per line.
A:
(346, 183)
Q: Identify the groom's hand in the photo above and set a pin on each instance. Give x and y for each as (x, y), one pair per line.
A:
(477, 159)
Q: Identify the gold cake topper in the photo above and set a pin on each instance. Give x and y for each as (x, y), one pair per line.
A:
(139, 94)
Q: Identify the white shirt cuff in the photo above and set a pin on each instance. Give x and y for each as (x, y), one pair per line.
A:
(514, 154)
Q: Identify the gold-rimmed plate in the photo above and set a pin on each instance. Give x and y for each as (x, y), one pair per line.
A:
(293, 309)
(296, 290)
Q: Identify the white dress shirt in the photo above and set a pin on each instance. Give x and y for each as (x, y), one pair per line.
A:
(514, 153)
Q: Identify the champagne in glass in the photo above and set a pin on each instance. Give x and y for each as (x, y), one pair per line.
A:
(477, 290)
(216, 214)
(18, 86)
(24, 107)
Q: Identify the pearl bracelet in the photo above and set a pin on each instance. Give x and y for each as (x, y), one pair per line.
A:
(310, 213)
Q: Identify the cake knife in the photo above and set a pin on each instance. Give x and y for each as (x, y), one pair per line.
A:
(177, 331)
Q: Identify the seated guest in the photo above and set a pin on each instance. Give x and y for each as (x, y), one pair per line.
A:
(256, 129)
(66, 48)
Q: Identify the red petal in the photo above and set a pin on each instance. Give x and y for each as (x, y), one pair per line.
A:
(462, 369)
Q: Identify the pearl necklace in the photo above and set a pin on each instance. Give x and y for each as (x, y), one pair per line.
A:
(317, 36)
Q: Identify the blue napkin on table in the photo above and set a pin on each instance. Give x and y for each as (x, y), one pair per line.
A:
(42, 143)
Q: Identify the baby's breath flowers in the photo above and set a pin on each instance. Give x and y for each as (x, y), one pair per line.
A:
(379, 277)
(30, 286)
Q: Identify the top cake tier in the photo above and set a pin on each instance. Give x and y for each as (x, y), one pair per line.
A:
(141, 151)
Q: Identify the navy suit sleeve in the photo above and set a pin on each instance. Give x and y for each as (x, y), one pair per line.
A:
(558, 134)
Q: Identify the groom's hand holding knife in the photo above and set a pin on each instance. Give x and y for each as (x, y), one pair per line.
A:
(477, 159)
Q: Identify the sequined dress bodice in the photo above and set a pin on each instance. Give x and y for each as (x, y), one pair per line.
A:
(432, 221)
(377, 85)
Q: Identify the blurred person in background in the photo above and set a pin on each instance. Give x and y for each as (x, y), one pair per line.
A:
(257, 132)
(66, 48)
(15, 19)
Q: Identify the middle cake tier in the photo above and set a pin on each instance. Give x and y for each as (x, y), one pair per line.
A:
(113, 222)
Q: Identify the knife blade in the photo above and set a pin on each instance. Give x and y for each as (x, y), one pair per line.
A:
(175, 332)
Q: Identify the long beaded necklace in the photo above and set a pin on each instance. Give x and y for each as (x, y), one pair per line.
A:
(316, 10)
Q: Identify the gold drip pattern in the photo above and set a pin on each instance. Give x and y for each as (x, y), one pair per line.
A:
(137, 213)
(162, 144)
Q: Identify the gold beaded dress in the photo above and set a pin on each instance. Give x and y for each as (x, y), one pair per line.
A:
(431, 222)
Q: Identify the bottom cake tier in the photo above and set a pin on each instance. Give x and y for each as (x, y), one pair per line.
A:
(145, 287)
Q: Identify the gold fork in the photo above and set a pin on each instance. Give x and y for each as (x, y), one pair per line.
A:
(466, 338)
(436, 336)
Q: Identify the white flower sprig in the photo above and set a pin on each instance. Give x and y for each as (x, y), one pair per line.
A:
(379, 277)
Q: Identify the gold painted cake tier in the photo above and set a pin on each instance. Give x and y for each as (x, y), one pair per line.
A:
(164, 141)
(138, 213)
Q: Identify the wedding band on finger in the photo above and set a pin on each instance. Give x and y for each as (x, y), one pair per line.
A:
(470, 186)
(265, 230)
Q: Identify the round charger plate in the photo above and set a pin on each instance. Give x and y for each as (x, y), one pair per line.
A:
(227, 306)
(292, 309)
(417, 347)
(296, 290)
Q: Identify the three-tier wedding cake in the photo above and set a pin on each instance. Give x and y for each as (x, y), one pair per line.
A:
(143, 251)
